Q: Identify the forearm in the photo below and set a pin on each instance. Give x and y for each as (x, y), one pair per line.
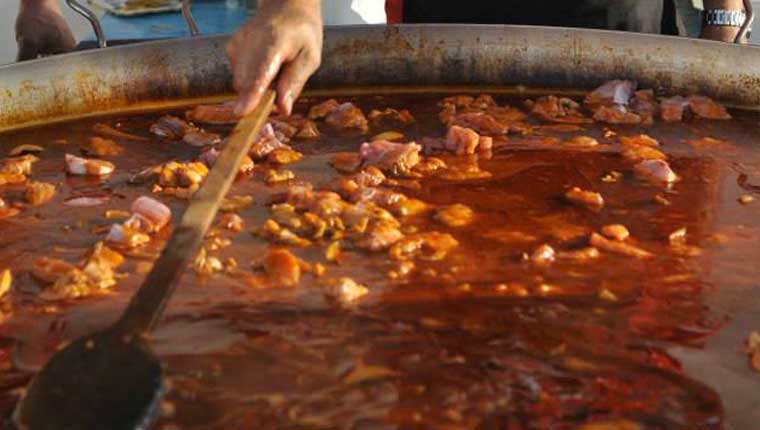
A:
(717, 32)
(37, 4)
(315, 5)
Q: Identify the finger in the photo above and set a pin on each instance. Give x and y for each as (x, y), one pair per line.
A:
(253, 76)
(28, 49)
(293, 78)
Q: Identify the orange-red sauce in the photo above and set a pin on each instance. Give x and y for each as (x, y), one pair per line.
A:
(481, 340)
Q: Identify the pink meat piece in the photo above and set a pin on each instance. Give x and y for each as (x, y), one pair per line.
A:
(379, 196)
(153, 210)
(210, 156)
(201, 138)
(481, 122)
(321, 110)
(616, 92)
(266, 142)
(616, 114)
(223, 113)
(397, 158)
(705, 107)
(347, 115)
(671, 109)
(645, 105)
(462, 140)
(171, 127)
(656, 171)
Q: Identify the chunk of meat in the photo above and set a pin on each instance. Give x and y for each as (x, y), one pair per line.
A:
(321, 110)
(379, 236)
(171, 127)
(463, 141)
(183, 175)
(200, 138)
(705, 107)
(656, 171)
(616, 232)
(379, 196)
(369, 177)
(307, 129)
(610, 103)
(640, 148)
(295, 126)
(347, 115)
(481, 122)
(223, 113)
(556, 109)
(616, 247)
(589, 199)
(153, 210)
(266, 142)
(456, 215)
(346, 162)
(431, 246)
(210, 156)
(282, 267)
(615, 92)
(86, 201)
(645, 105)
(276, 176)
(672, 108)
(100, 146)
(543, 254)
(616, 115)
(125, 237)
(7, 211)
(232, 222)
(19, 165)
(394, 158)
(640, 140)
(38, 193)
(283, 128)
(47, 270)
(284, 156)
(205, 264)
(88, 166)
(642, 153)
(402, 116)
(96, 274)
(346, 291)
(429, 165)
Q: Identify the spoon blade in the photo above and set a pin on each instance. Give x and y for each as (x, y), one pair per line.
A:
(99, 381)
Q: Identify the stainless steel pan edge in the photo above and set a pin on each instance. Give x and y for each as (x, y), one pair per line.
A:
(160, 73)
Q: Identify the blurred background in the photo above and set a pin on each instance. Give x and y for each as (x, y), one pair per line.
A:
(213, 16)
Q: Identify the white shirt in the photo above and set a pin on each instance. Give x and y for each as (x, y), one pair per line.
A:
(342, 12)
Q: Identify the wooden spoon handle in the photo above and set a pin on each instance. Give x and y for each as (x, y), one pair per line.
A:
(146, 307)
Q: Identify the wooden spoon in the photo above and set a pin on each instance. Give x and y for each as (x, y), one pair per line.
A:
(111, 380)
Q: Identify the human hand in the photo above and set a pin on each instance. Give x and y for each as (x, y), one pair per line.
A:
(280, 45)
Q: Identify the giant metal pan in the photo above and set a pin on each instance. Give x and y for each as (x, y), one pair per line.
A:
(170, 73)
(138, 76)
